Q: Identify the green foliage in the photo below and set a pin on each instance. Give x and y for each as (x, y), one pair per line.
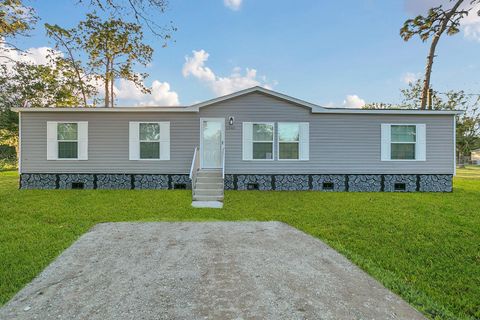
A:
(143, 12)
(15, 18)
(434, 25)
(426, 26)
(467, 123)
(423, 246)
(114, 48)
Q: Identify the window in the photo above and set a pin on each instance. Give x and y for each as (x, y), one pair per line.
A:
(149, 141)
(262, 141)
(67, 137)
(67, 140)
(403, 140)
(289, 141)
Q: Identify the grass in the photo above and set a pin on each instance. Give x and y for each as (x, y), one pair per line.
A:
(423, 246)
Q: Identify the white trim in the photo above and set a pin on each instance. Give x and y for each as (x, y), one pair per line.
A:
(273, 141)
(82, 137)
(454, 145)
(278, 142)
(194, 109)
(19, 143)
(222, 143)
(389, 155)
(134, 141)
(52, 141)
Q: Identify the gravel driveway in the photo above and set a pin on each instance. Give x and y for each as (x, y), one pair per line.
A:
(213, 270)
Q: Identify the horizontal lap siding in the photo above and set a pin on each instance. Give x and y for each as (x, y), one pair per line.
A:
(108, 143)
(339, 143)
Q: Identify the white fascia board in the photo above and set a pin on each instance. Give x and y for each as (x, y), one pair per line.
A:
(390, 111)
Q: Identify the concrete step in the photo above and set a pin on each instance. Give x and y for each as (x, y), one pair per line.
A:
(208, 192)
(209, 174)
(213, 185)
(207, 198)
(207, 204)
(209, 180)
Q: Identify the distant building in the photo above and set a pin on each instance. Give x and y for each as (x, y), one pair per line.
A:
(475, 156)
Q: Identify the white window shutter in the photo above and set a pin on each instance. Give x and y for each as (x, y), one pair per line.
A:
(52, 144)
(386, 142)
(304, 141)
(164, 140)
(247, 153)
(134, 140)
(82, 140)
(421, 147)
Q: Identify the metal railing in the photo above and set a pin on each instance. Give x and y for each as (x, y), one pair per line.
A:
(223, 161)
(195, 166)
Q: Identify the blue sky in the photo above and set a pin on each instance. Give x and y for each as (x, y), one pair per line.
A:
(319, 51)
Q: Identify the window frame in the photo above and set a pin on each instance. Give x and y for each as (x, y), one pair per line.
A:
(272, 142)
(417, 142)
(140, 141)
(58, 141)
(298, 142)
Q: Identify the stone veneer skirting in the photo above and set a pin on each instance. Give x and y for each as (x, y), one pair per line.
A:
(290, 182)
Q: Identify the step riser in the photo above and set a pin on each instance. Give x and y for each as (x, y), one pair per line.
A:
(206, 192)
(208, 180)
(199, 185)
(209, 175)
(207, 198)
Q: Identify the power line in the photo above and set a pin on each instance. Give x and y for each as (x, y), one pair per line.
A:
(466, 94)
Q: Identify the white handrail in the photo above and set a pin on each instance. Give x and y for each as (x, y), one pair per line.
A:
(223, 162)
(194, 165)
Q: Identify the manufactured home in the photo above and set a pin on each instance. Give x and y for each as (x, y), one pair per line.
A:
(254, 139)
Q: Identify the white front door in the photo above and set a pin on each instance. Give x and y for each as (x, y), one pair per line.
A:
(212, 137)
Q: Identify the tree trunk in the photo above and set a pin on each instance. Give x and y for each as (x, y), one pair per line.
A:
(431, 53)
(107, 82)
(75, 66)
(112, 79)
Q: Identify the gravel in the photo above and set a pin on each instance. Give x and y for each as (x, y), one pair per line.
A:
(211, 270)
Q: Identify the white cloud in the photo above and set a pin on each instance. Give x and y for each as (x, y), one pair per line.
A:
(410, 77)
(195, 66)
(125, 90)
(33, 55)
(353, 101)
(161, 94)
(469, 24)
(233, 4)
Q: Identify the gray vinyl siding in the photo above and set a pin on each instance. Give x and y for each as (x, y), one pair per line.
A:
(108, 143)
(339, 143)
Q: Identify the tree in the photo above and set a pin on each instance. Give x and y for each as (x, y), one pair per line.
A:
(23, 83)
(142, 12)
(434, 24)
(65, 39)
(114, 47)
(15, 18)
(467, 123)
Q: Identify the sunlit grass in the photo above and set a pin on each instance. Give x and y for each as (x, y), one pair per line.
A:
(423, 246)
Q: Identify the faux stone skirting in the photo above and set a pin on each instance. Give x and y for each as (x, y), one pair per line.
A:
(104, 181)
(290, 182)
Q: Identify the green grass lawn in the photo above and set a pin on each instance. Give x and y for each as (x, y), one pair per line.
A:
(423, 246)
